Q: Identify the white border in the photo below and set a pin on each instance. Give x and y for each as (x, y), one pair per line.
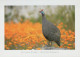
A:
(41, 53)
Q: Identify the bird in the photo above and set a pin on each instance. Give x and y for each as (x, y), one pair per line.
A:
(49, 30)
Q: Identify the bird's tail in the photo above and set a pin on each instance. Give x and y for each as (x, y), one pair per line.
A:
(58, 42)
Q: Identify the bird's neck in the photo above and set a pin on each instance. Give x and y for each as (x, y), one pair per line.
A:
(43, 16)
(44, 20)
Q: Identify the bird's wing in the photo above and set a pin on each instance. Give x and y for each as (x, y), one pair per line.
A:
(54, 30)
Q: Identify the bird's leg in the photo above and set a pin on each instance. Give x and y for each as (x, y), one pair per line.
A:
(49, 43)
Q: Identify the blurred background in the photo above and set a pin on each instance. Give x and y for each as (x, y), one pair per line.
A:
(56, 14)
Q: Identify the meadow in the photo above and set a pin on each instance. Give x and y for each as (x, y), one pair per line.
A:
(28, 36)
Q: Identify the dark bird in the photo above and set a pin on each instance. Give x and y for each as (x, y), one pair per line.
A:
(50, 31)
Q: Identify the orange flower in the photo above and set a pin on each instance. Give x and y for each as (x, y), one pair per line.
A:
(65, 25)
(38, 48)
(29, 47)
(69, 44)
(65, 42)
(69, 47)
(61, 23)
(9, 44)
(70, 31)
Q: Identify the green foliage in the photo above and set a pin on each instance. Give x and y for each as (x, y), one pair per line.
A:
(65, 14)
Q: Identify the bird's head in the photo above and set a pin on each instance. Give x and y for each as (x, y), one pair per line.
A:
(42, 12)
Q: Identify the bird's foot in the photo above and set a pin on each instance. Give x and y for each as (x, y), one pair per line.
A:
(48, 47)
